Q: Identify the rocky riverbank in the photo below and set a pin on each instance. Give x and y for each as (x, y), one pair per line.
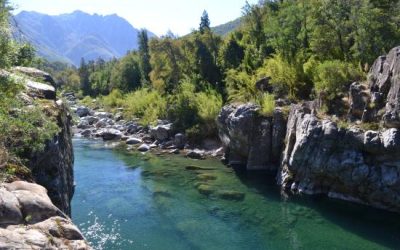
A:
(35, 215)
(159, 138)
(316, 155)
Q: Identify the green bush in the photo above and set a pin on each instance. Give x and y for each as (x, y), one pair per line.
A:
(114, 99)
(267, 104)
(334, 77)
(148, 105)
(240, 86)
(182, 107)
(286, 78)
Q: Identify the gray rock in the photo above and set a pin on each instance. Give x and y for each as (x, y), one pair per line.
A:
(132, 128)
(195, 154)
(161, 132)
(180, 140)
(102, 115)
(10, 212)
(37, 74)
(83, 124)
(41, 90)
(358, 99)
(86, 133)
(249, 139)
(82, 111)
(144, 147)
(90, 119)
(133, 141)
(343, 163)
(110, 134)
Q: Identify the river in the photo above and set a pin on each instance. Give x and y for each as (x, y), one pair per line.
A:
(127, 200)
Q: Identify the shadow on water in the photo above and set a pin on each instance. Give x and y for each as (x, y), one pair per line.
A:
(377, 225)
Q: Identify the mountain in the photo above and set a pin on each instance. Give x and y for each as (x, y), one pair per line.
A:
(69, 37)
(226, 28)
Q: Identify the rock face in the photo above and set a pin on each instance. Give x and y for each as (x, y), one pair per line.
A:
(349, 164)
(384, 88)
(44, 225)
(250, 139)
(53, 168)
(35, 216)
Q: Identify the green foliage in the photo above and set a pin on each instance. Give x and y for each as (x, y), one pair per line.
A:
(114, 99)
(23, 129)
(332, 78)
(126, 74)
(204, 22)
(267, 104)
(286, 77)
(148, 105)
(182, 110)
(144, 55)
(240, 86)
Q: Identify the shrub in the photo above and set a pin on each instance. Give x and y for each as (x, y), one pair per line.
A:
(240, 86)
(114, 99)
(334, 77)
(286, 78)
(148, 105)
(209, 105)
(267, 104)
(182, 108)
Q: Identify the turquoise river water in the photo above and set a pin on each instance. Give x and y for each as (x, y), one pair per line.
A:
(126, 200)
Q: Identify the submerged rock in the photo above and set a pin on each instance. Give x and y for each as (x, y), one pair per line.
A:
(205, 189)
(231, 195)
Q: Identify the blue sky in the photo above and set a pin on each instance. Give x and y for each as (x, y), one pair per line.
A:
(158, 16)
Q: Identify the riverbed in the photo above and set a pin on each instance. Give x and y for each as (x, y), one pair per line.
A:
(129, 200)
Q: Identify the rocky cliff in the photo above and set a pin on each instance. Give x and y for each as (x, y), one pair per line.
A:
(35, 216)
(319, 156)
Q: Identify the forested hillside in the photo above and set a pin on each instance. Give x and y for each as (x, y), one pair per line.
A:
(298, 49)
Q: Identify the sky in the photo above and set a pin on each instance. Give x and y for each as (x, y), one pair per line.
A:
(158, 16)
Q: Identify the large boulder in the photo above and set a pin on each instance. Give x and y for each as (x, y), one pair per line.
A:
(250, 139)
(161, 132)
(36, 74)
(110, 134)
(29, 220)
(350, 164)
(82, 111)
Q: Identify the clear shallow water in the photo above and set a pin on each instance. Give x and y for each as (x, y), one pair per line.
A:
(134, 201)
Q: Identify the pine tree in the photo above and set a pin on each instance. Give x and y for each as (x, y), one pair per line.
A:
(84, 77)
(204, 22)
(144, 55)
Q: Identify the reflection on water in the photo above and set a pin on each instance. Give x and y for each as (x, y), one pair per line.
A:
(134, 201)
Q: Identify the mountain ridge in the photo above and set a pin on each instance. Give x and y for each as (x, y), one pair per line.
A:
(68, 37)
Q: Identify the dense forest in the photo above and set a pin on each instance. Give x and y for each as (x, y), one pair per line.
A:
(290, 50)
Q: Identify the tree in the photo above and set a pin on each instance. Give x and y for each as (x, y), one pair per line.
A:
(144, 55)
(7, 49)
(126, 73)
(204, 22)
(231, 54)
(84, 77)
